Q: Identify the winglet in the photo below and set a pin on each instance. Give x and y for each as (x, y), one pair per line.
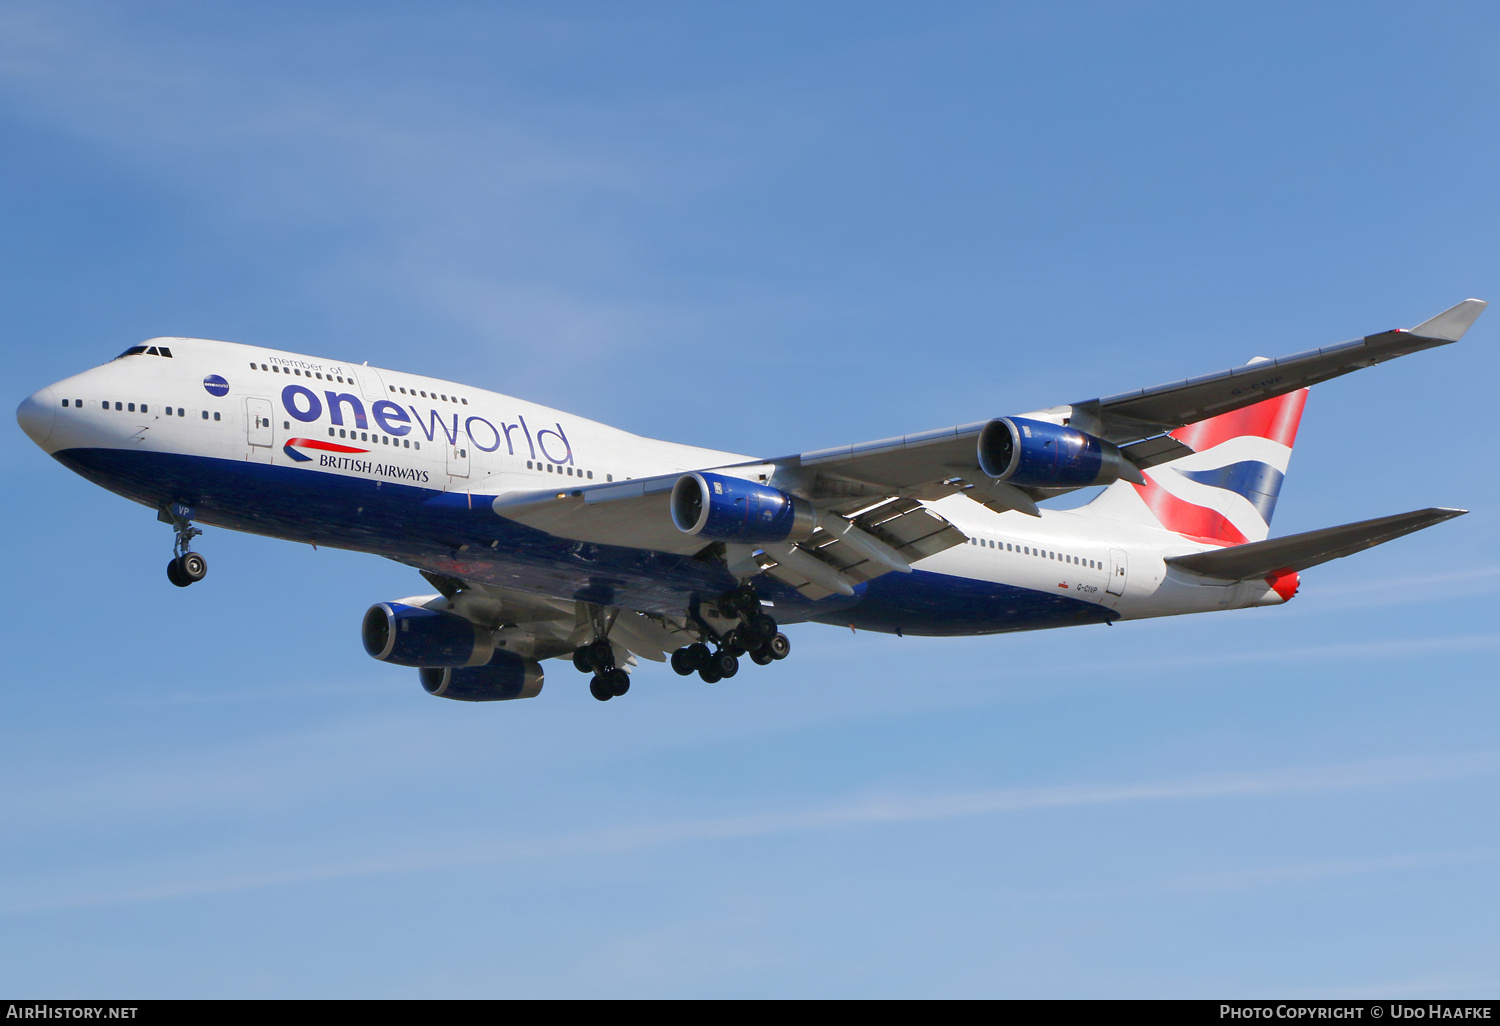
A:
(1453, 322)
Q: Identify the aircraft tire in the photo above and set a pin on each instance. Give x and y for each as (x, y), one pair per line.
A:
(600, 690)
(581, 660)
(174, 574)
(698, 656)
(710, 675)
(194, 567)
(601, 656)
(780, 646)
(760, 657)
(725, 664)
(618, 682)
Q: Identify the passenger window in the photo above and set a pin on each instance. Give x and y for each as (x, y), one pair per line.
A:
(591, 475)
(65, 402)
(181, 412)
(117, 406)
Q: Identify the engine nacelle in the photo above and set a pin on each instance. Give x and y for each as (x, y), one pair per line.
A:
(505, 677)
(394, 632)
(732, 509)
(1036, 454)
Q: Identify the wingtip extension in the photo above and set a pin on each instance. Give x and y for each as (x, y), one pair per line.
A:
(1451, 324)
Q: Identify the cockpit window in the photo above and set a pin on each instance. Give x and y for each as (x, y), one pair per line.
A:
(146, 351)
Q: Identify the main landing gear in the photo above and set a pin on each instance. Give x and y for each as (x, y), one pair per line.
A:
(186, 567)
(756, 636)
(598, 658)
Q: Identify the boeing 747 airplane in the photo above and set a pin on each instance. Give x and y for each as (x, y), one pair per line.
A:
(546, 535)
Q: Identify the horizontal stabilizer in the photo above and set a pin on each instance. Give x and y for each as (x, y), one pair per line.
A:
(1300, 551)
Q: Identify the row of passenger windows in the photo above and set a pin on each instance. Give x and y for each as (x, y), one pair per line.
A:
(273, 369)
(377, 438)
(551, 469)
(430, 395)
(144, 408)
(1027, 550)
(299, 372)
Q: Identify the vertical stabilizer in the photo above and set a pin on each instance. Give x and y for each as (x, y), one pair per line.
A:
(1225, 492)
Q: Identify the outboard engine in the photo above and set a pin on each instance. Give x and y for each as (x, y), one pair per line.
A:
(505, 677)
(395, 632)
(1036, 454)
(735, 510)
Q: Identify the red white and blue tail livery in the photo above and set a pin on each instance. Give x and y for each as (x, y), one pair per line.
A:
(549, 536)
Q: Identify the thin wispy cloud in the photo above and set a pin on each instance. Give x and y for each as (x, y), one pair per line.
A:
(869, 812)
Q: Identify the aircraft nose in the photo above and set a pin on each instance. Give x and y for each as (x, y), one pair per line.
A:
(36, 415)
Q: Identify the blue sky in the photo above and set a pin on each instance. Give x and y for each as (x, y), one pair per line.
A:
(766, 229)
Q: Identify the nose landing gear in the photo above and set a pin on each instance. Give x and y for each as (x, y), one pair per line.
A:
(186, 567)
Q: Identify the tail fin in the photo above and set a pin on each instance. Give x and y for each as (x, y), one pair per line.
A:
(1225, 492)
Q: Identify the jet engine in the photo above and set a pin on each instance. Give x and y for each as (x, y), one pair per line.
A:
(395, 632)
(735, 510)
(1036, 454)
(505, 677)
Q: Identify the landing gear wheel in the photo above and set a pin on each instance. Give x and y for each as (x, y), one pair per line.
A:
(174, 574)
(601, 656)
(581, 660)
(194, 567)
(760, 657)
(618, 682)
(697, 656)
(710, 675)
(600, 690)
(779, 647)
(734, 642)
(725, 665)
(762, 626)
(679, 663)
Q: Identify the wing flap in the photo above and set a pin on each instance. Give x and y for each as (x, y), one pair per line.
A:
(911, 529)
(1300, 551)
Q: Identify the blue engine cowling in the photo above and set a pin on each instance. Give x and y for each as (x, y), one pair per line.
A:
(394, 632)
(1036, 454)
(505, 677)
(733, 509)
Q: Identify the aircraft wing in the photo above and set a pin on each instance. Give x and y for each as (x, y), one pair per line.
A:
(1300, 551)
(934, 464)
(1152, 411)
